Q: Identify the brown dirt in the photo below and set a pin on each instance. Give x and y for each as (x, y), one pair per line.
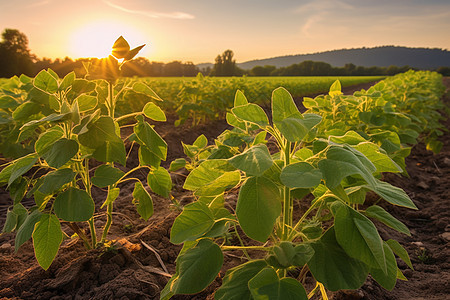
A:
(134, 271)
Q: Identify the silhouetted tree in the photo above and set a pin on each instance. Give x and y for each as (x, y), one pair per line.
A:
(15, 57)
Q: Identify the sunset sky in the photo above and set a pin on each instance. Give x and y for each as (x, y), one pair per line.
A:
(198, 30)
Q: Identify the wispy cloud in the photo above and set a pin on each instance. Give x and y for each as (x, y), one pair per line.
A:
(152, 14)
(37, 4)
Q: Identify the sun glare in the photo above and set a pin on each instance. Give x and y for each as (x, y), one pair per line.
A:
(96, 39)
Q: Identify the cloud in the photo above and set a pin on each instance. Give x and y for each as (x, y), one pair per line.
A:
(316, 12)
(37, 4)
(152, 14)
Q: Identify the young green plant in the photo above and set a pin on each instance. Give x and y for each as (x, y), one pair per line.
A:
(333, 238)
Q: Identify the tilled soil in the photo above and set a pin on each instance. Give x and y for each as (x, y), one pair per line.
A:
(139, 264)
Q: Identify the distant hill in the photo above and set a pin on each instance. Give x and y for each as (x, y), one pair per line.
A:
(384, 56)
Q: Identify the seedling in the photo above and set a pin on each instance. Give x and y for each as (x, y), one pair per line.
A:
(334, 238)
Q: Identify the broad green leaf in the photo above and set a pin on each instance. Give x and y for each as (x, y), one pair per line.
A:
(120, 48)
(46, 82)
(235, 283)
(25, 110)
(67, 81)
(60, 152)
(303, 253)
(21, 166)
(331, 266)
(251, 113)
(154, 112)
(239, 99)
(148, 158)
(54, 180)
(112, 150)
(132, 53)
(233, 121)
(350, 137)
(86, 102)
(197, 268)
(195, 220)
(160, 182)
(300, 175)
(50, 118)
(258, 207)
(341, 163)
(47, 139)
(43, 99)
(201, 141)
(151, 139)
(6, 173)
(358, 236)
(386, 279)
(53, 73)
(213, 202)
(283, 106)
(26, 229)
(8, 102)
(47, 236)
(143, 88)
(17, 189)
(386, 218)
(400, 252)
(98, 133)
(220, 228)
(335, 89)
(143, 201)
(392, 194)
(177, 164)
(266, 285)
(15, 218)
(381, 161)
(106, 175)
(74, 205)
(212, 177)
(254, 161)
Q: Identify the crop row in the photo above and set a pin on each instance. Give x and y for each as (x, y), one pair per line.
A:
(202, 99)
(328, 158)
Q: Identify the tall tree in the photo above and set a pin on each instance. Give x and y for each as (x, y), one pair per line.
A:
(15, 57)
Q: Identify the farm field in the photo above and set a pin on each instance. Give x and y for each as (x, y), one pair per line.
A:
(141, 256)
(207, 98)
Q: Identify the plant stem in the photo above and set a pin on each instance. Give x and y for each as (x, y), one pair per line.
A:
(287, 216)
(87, 185)
(242, 243)
(109, 209)
(80, 233)
(93, 233)
(313, 206)
(111, 99)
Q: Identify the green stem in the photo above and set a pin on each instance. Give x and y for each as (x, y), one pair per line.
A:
(111, 99)
(128, 116)
(109, 210)
(306, 214)
(287, 216)
(242, 243)
(93, 233)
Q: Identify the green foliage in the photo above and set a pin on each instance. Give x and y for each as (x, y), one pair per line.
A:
(329, 158)
(66, 124)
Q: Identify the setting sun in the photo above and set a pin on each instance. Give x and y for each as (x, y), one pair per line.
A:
(96, 39)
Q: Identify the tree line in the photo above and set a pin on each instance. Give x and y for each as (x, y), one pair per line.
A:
(16, 58)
